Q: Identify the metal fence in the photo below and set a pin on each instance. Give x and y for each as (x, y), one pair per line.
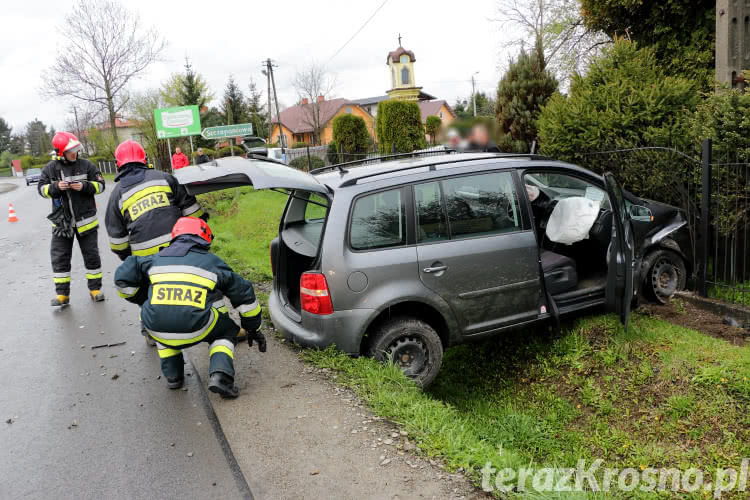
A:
(711, 183)
(107, 167)
(310, 158)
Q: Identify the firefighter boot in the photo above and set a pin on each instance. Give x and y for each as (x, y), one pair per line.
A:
(223, 384)
(96, 295)
(60, 301)
(175, 382)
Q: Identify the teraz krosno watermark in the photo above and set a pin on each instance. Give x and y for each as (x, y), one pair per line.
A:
(594, 478)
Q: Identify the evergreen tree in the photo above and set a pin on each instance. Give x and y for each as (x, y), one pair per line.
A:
(521, 93)
(233, 105)
(194, 90)
(257, 110)
(5, 132)
(38, 138)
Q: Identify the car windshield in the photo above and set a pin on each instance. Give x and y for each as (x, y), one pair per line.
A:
(33, 171)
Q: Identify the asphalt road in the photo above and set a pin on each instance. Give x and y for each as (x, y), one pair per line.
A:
(77, 422)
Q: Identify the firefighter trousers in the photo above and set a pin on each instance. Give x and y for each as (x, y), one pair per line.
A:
(61, 251)
(221, 342)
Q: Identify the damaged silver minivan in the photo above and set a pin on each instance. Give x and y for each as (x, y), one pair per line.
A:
(400, 259)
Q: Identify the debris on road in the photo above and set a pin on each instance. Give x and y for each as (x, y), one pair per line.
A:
(115, 376)
(190, 454)
(9, 421)
(108, 345)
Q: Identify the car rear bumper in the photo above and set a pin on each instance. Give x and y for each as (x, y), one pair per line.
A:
(344, 329)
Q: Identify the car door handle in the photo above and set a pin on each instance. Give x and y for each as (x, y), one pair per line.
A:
(435, 269)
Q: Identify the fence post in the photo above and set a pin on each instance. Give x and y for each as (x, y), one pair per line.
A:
(705, 227)
(393, 148)
(309, 167)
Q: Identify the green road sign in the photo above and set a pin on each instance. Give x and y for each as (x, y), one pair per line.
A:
(227, 131)
(177, 122)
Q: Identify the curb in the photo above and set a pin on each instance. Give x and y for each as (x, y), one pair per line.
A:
(234, 466)
(735, 311)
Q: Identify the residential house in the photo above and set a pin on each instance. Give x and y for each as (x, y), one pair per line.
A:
(297, 121)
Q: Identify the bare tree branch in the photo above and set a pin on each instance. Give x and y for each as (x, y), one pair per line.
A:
(105, 49)
(311, 83)
(557, 26)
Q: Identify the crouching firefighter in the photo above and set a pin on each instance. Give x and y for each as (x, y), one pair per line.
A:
(180, 291)
(144, 206)
(71, 183)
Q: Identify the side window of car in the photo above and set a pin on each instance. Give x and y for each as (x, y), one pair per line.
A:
(481, 205)
(378, 221)
(431, 225)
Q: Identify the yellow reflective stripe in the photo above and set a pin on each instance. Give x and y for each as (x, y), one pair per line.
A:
(252, 313)
(90, 225)
(97, 186)
(45, 191)
(61, 280)
(189, 341)
(119, 246)
(221, 348)
(93, 276)
(197, 213)
(168, 353)
(183, 277)
(222, 309)
(149, 251)
(126, 295)
(140, 194)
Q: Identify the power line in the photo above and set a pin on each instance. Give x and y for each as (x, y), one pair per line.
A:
(357, 32)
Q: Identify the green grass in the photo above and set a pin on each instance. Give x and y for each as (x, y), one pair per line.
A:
(244, 222)
(657, 396)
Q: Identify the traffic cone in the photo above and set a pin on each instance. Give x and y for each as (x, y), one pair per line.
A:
(11, 213)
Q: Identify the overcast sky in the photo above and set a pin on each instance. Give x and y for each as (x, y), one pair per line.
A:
(450, 39)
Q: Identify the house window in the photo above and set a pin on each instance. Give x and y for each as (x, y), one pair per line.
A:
(441, 115)
(405, 76)
(349, 109)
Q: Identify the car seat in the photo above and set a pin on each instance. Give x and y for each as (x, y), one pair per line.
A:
(560, 273)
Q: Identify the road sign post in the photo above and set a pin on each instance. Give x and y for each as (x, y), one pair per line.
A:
(180, 121)
(225, 131)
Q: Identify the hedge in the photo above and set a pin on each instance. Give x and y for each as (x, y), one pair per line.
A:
(399, 124)
(301, 163)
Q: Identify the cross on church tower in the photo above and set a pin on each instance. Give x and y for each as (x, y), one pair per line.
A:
(399, 39)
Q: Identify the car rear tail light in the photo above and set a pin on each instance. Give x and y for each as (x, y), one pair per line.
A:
(313, 292)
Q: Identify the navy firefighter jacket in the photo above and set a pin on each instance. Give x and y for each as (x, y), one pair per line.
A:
(181, 291)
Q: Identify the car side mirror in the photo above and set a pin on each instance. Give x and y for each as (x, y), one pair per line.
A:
(640, 213)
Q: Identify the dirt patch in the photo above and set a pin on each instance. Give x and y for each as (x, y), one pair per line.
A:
(684, 313)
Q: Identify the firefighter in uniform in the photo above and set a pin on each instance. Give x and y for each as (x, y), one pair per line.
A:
(181, 291)
(144, 206)
(71, 183)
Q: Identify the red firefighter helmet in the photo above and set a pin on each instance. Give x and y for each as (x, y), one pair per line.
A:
(129, 152)
(65, 141)
(192, 225)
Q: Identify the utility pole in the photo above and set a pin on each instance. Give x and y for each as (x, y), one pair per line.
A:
(282, 137)
(268, 102)
(473, 93)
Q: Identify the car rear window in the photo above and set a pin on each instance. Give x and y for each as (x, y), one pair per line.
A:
(378, 221)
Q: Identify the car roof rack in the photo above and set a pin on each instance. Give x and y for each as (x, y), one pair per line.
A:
(417, 154)
(486, 156)
(381, 158)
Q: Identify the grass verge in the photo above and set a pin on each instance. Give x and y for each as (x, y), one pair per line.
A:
(658, 396)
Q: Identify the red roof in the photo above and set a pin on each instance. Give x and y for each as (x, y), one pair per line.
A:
(119, 123)
(396, 55)
(433, 108)
(299, 120)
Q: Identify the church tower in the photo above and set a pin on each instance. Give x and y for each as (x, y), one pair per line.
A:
(403, 83)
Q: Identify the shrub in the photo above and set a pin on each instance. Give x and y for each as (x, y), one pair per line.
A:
(523, 90)
(432, 127)
(351, 137)
(206, 151)
(225, 151)
(624, 101)
(332, 153)
(298, 145)
(399, 123)
(301, 163)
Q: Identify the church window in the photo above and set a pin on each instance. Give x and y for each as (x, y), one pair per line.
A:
(405, 76)
(404, 59)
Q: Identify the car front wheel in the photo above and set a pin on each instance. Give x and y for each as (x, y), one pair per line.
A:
(665, 273)
(411, 344)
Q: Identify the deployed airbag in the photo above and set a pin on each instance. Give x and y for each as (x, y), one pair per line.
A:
(571, 220)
